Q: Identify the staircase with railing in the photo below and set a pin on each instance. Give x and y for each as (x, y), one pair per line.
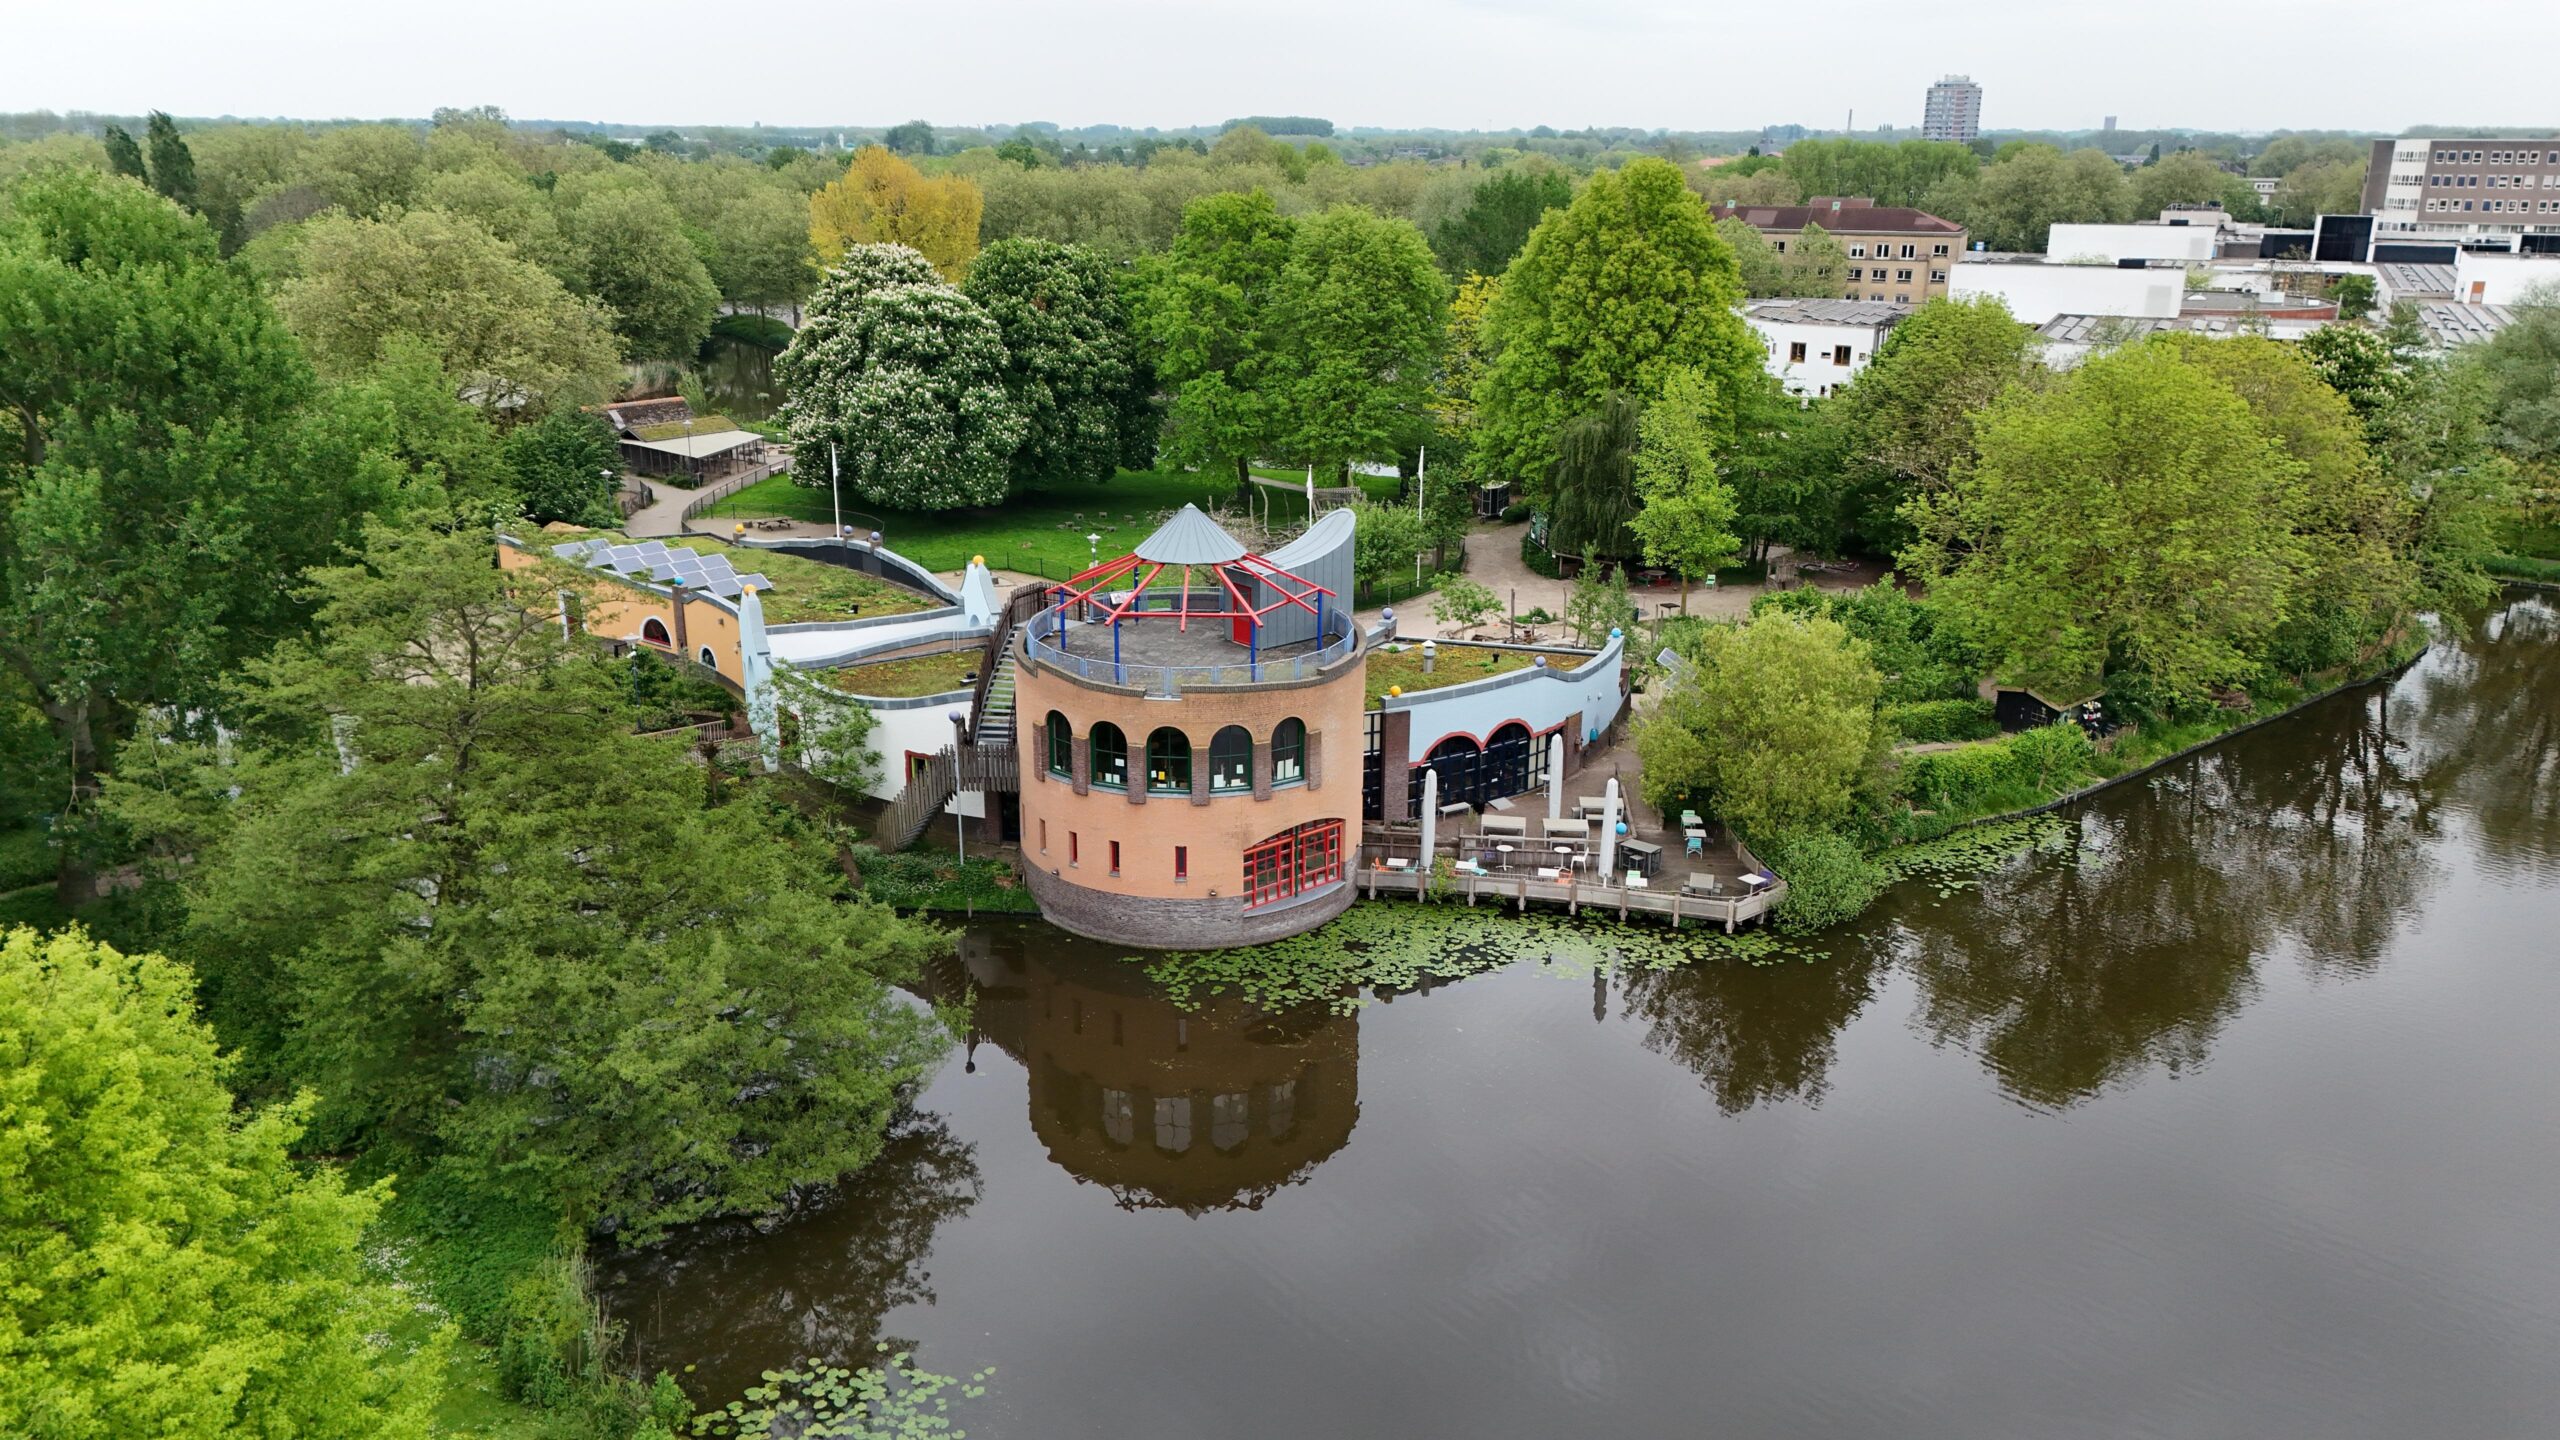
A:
(988, 762)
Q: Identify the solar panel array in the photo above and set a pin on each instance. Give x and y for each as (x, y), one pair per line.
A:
(655, 560)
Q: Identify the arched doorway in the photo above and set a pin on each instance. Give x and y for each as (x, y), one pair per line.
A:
(1506, 759)
(1461, 766)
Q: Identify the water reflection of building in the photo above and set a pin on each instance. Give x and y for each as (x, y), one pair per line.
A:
(1210, 1108)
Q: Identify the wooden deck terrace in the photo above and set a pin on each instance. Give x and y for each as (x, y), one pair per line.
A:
(1575, 894)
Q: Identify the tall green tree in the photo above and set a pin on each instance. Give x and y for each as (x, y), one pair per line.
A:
(1907, 421)
(124, 156)
(2021, 197)
(633, 258)
(1206, 318)
(173, 166)
(2133, 526)
(509, 335)
(1774, 726)
(565, 466)
(2349, 518)
(166, 1266)
(1591, 481)
(1500, 213)
(1356, 326)
(2519, 371)
(522, 941)
(902, 378)
(1070, 356)
(153, 515)
(2188, 178)
(1613, 293)
(1687, 520)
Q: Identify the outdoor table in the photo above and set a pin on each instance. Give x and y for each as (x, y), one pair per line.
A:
(1455, 807)
(1755, 881)
(1588, 807)
(1692, 820)
(1505, 851)
(1546, 874)
(1397, 862)
(1644, 857)
(1571, 857)
(1636, 881)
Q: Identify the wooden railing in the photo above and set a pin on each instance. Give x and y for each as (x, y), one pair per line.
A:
(987, 769)
(1018, 607)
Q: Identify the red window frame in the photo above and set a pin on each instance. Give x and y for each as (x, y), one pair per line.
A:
(1293, 862)
(1181, 862)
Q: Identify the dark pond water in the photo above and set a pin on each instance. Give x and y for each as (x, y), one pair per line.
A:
(2238, 1117)
(737, 379)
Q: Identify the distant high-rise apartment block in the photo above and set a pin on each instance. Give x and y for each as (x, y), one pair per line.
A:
(2505, 192)
(2110, 126)
(1955, 111)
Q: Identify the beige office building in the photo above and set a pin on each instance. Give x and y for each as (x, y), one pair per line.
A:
(1897, 255)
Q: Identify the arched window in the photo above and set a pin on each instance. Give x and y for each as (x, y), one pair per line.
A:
(1231, 760)
(653, 631)
(1110, 757)
(1062, 745)
(709, 660)
(1169, 762)
(1289, 752)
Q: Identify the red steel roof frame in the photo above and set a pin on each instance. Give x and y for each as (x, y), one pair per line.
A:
(1083, 587)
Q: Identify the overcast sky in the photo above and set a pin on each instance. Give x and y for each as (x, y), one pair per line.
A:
(2061, 64)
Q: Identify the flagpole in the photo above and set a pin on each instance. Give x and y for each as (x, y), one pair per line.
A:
(834, 493)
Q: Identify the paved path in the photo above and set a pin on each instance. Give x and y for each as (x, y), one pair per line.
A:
(1493, 561)
(663, 517)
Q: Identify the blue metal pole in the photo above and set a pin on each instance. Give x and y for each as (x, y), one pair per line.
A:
(1118, 673)
(1253, 644)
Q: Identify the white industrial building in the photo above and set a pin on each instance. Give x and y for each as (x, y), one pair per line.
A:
(2036, 290)
(1816, 346)
(2501, 277)
(2181, 243)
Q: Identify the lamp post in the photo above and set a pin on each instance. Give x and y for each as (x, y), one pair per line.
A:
(959, 817)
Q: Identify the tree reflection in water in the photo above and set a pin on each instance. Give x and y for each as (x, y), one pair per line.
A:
(858, 1251)
(2314, 836)
(1756, 1035)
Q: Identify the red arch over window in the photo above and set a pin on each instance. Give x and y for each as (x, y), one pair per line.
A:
(653, 631)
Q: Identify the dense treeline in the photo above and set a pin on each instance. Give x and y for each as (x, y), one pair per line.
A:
(488, 958)
(463, 927)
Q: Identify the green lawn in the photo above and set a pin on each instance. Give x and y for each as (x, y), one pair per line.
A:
(918, 675)
(1457, 665)
(1041, 533)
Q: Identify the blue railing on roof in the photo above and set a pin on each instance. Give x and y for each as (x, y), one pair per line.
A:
(1039, 645)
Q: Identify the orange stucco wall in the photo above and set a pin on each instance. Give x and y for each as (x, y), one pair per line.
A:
(615, 609)
(1218, 833)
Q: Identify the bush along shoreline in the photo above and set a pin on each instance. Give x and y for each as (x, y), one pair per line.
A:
(1974, 806)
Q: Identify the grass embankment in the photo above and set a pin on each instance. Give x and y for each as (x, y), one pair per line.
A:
(1457, 665)
(1038, 533)
(2529, 549)
(904, 679)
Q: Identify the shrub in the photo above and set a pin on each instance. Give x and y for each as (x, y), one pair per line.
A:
(2025, 769)
(1515, 512)
(1828, 880)
(26, 857)
(1932, 721)
(1538, 558)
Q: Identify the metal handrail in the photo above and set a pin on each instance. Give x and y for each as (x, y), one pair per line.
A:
(1170, 681)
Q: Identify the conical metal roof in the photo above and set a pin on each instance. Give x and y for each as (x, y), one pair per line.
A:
(1190, 538)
